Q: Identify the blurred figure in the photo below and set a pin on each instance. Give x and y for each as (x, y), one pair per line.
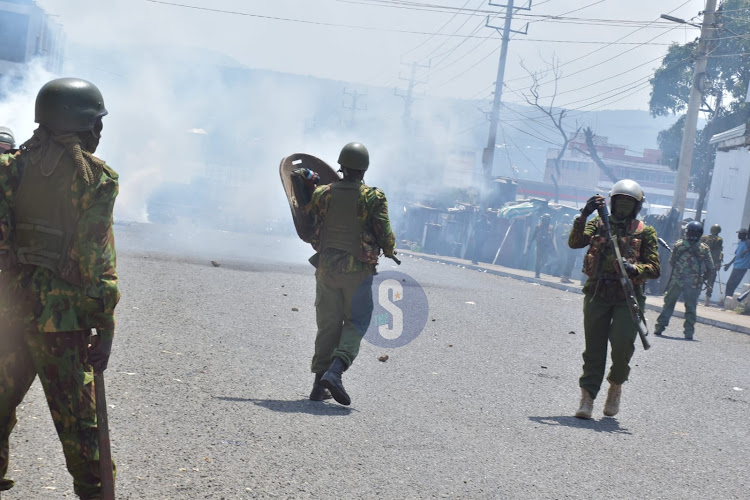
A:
(481, 232)
(691, 264)
(715, 244)
(7, 141)
(544, 236)
(741, 261)
(568, 254)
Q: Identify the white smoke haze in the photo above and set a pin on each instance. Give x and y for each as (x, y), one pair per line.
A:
(199, 129)
(17, 101)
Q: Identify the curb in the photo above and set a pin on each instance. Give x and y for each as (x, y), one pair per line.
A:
(725, 325)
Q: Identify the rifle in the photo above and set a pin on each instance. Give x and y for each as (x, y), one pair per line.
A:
(105, 453)
(627, 286)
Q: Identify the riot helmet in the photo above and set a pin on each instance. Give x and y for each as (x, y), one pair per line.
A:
(715, 229)
(742, 234)
(69, 105)
(694, 231)
(7, 141)
(545, 218)
(354, 156)
(629, 188)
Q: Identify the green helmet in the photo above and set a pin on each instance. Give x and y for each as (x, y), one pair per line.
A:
(6, 136)
(354, 156)
(715, 229)
(69, 105)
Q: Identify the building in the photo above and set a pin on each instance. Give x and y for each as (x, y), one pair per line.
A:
(28, 33)
(729, 196)
(580, 176)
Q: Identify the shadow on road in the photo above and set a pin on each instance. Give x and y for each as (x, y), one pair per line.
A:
(667, 337)
(293, 406)
(606, 424)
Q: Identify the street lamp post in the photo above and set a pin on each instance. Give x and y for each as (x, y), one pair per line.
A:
(694, 104)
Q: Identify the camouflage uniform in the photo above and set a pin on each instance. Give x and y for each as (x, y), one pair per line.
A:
(545, 245)
(46, 321)
(715, 244)
(341, 324)
(606, 315)
(691, 262)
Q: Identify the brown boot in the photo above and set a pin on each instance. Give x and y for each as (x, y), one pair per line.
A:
(586, 406)
(612, 404)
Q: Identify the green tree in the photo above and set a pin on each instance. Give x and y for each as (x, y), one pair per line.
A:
(724, 89)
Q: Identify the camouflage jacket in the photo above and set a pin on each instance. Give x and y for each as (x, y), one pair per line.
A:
(37, 296)
(606, 284)
(691, 263)
(372, 213)
(716, 245)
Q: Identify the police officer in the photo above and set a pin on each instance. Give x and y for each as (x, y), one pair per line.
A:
(544, 236)
(351, 227)
(58, 279)
(606, 315)
(7, 141)
(715, 244)
(691, 264)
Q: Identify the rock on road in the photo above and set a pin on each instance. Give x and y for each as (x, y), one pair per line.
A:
(209, 378)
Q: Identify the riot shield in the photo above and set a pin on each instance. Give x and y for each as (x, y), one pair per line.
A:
(299, 188)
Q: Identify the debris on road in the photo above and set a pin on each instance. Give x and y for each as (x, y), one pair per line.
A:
(295, 309)
(215, 264)
(571, 332)
(383, 358)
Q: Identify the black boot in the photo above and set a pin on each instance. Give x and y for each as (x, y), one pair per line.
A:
(331, 380)
(319, 393)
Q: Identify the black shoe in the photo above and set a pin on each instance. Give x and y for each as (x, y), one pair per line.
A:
(331, 380)
(319, 393)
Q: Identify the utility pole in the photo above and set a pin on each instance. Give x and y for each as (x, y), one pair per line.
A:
(409, 96)
(694, 104)
(488, 155)
(354, 108)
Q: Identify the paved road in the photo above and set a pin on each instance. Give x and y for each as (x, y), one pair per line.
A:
(209, 379)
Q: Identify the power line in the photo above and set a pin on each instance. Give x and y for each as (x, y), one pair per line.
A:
(604, 47)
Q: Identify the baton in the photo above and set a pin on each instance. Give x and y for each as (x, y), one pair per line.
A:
(105, 452)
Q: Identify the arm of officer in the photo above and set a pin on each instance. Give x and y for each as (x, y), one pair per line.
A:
(96, 251)
(649, 266)
(582, 231)
(381, 225)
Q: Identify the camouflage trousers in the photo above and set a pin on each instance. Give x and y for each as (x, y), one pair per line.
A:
(61, 362)
(606, 321)
(343, 312)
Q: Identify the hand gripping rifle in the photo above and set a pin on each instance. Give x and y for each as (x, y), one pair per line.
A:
(627, 286)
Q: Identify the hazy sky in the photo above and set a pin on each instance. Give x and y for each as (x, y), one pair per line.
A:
(375, 41)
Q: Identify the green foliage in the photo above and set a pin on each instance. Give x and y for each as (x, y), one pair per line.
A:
(670, 86)
(727, 75)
